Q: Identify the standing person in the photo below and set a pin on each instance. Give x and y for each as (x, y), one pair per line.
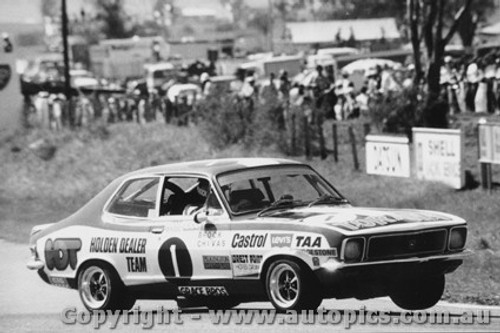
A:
(284, 85)
(206, 84)
(57, 112)
(268, 91)
(42, 109)
(481, 97)
(472, 75)
(362, 101)
(321, 86)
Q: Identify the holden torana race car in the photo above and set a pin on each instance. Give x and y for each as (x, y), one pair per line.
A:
(217, 233)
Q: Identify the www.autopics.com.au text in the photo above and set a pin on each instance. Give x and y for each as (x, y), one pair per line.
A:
(347, 318)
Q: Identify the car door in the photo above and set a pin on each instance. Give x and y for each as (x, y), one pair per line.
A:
(189, 252)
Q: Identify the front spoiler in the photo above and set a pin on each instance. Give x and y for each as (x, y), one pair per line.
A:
(415, 260)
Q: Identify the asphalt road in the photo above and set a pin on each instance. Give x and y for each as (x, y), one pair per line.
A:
(28, 304)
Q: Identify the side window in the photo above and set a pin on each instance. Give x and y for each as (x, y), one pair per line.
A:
(137, 197)
(186, 195)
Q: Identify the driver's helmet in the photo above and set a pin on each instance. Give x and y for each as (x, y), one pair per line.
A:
(203, 187)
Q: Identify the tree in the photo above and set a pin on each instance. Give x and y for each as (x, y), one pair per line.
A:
(112, 16)
(51, 8)
(427, 23)
(477, 14)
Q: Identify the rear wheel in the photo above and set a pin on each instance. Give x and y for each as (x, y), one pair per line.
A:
(100, 288)
(291, 287)
(418, 294)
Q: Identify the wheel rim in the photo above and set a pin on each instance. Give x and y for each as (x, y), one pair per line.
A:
(95, 287)
(284, 285)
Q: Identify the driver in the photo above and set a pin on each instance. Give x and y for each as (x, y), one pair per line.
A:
(196, 198)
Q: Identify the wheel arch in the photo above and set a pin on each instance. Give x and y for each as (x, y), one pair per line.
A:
(282, 256)
(100, 262)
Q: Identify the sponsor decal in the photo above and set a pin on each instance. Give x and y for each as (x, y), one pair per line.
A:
(203, 291)
(354, 222)
(216, 262)
(136, 264)
(59, 282)
(117, 245)
(315, 261)
(281, 240)
(61, 253)
(5, 74)
(246, 264)
(210, 238)
(322, 252)
(248, 241)
(174, 259)
(307, 241)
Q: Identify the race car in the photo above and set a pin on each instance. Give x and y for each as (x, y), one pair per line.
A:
(220, 232)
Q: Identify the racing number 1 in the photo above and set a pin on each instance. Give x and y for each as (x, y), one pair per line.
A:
(174, 259)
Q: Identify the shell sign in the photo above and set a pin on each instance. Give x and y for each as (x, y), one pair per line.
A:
(439, 155)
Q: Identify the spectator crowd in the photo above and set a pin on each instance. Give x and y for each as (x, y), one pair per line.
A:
(467, 86)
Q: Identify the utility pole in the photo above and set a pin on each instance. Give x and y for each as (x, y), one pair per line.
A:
(270, 25)
(67, 79)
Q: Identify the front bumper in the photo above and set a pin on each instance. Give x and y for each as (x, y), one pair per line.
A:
(371, 279)
(35, 264)
(417, 260)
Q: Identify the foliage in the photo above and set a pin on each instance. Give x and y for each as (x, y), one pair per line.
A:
(427, 23)
(221, 121)
(226, 119)
(397, 113)
(112, 16)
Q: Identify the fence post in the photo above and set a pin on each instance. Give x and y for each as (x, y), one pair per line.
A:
(322, 148)
(352, 138)
(293, 147)
(486, 176)
(335, 143)
(307, 139)
(366, 129)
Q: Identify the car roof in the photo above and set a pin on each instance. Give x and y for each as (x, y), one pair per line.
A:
(212, 167)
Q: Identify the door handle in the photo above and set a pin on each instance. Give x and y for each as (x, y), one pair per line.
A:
(157, 230)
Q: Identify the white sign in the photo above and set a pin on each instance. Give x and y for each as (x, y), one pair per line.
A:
(439, 155)
(387, 155)
(489, 143)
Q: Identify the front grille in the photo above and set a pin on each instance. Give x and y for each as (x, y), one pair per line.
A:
(406, 245)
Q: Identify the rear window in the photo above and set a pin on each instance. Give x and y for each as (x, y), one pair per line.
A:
(137, 197)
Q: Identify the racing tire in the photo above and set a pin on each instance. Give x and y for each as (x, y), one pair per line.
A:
(418, 294)
(100, 288)
(290, 286)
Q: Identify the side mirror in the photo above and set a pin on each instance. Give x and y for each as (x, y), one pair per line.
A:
(200, 217)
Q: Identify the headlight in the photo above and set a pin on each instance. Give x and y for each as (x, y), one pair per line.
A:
(353, 249)
(457, 238)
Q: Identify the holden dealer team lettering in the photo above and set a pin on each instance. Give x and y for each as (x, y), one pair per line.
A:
(117, 245)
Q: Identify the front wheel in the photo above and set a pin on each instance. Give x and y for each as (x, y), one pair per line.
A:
(100, 288)
(291, 287)
(418, 294)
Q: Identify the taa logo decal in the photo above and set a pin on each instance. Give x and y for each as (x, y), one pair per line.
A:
(62, 252)
(174, 259)
(306, 241)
